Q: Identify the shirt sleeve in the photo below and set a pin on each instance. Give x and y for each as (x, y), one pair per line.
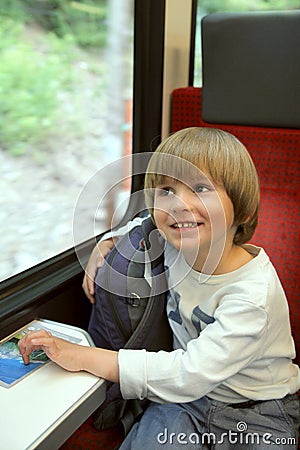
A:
(223, 348)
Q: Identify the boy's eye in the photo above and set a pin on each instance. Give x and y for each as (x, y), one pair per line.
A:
(164, 191)
(200, 188)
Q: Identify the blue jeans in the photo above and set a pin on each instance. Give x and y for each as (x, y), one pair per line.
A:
(209, 424)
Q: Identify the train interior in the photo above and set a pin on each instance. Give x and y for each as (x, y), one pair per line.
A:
(241, 95)
(272, 138)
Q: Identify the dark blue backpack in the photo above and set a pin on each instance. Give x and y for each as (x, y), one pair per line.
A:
(128, 313)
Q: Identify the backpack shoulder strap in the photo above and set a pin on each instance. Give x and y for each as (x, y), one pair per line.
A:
(153, 331)
(154, 244)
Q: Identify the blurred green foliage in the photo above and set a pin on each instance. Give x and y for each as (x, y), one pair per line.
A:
(83, 20)
(33, 75)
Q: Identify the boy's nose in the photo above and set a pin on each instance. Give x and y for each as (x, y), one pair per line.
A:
(182, 202)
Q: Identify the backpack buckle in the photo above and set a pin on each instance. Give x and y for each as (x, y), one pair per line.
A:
(134, 300)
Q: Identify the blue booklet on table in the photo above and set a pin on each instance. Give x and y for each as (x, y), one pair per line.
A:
(12, 367)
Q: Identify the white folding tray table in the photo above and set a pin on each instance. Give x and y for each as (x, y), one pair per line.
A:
(42, 410)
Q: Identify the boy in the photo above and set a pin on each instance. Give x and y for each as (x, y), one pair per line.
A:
(231, 369)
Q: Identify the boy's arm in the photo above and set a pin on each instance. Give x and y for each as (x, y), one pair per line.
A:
(100, 251)
(95, 261)
(100, 362)
(222, 350)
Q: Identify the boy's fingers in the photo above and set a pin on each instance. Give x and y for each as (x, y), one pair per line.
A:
(48, 344)
(88, 287)
(33, 341)
(25, 359)
(23, 352)
(95, 262)
(91, 288)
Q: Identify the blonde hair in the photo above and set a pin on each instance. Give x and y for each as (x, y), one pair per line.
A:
(223, 158)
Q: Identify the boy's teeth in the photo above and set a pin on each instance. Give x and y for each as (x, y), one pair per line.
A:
(185, 225)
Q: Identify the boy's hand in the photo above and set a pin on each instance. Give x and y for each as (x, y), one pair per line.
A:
(62, 352)
(73, 357)
(96, 260)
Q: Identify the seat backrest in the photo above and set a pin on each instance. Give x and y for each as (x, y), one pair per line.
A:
(251, 67)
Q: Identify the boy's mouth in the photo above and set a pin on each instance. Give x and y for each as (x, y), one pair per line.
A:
(185, 225)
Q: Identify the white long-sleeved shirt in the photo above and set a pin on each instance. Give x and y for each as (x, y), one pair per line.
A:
(232, 337)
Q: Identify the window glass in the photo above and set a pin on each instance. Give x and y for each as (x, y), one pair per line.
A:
(205, 7)
(65, 114)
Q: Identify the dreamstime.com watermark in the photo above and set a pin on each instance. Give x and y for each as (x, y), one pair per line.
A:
(238, 437)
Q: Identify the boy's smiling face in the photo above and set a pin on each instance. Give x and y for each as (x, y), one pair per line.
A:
(195, 217)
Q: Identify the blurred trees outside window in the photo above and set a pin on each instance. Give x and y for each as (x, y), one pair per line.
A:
(65, 91)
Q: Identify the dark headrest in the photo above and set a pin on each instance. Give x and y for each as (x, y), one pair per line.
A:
(251, 68)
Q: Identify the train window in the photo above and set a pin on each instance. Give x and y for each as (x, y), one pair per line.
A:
(208, 6)
(66, 83)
